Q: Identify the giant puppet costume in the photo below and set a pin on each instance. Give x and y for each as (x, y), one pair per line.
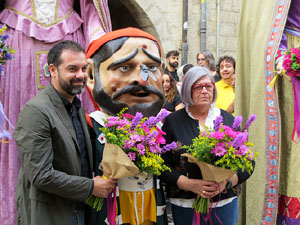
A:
(34, 27)
(266, 29)
(125, 70)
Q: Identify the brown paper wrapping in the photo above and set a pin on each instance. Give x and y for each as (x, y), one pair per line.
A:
(116, 164)
(210, 172)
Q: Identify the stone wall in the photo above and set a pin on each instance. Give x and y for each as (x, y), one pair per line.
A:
(164, 20)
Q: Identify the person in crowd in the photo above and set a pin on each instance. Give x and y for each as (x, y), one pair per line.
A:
(184, 181)
(225, 98)
(231, 106)
(172, 98)
(181, 72)
(172, 58)
(125, 70)
(55, 148)
(206, 58)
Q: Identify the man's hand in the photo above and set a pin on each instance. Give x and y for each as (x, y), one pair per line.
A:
(102, 187)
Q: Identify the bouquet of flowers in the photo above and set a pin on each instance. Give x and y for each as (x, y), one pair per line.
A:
(291, 62)
(220, 153)
(5, 51)
(291, 65)
(132, 147)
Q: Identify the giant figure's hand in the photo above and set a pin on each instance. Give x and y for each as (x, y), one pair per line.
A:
(281, 71)
(102, 187)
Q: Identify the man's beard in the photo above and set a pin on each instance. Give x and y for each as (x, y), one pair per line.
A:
(69, 88)
(174, 64)
(112, 106)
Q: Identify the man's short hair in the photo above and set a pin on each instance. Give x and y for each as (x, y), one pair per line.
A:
(173, 52)
(186, 68)
(226, 58)
(56, 51)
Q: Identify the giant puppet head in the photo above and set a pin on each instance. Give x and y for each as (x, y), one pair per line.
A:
(125, 70)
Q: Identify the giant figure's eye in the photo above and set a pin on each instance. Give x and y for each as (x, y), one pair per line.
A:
(152, 68)
(124, 68)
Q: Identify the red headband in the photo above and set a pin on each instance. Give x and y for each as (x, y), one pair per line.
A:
(126, 32)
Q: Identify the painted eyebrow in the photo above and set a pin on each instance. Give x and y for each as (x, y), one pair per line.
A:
(152, 56)
(125, 59)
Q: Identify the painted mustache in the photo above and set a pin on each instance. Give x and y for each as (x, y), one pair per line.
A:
(133, 89)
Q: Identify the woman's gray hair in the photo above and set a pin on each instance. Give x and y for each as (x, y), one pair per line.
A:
(209, 57)
(190, 78)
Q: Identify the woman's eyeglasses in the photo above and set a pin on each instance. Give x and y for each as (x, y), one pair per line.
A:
(208, 86)
(201, 59)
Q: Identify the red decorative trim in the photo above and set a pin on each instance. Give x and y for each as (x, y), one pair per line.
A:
(272, 116)
(289, 206)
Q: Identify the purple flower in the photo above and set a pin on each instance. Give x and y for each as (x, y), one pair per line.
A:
(131, 156)
(152, 135)
(169, 147)
(249, 121)
(218, 122)
(135, 121)
(237, 122)
(238, 140)
(161, 115)
(150, 122)
(141, 149)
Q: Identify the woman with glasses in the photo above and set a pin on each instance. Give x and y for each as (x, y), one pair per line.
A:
(206, 59)
(184, 181)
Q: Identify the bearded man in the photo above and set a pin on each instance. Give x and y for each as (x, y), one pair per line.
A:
(54, 146)
(172, 58)
(125, 70)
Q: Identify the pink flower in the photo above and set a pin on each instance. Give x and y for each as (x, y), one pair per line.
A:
(218, 135)
(131, 156)
(141, 149)
(128, 144)
(291, 72)
(231, 133)
(152, 148)
(136, 138)
(250, 156)
(242, 150)
(287, 62)
(127, 115)
(296, 51)
(219, 149)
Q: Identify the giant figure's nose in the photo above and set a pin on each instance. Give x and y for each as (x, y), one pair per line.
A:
(141, 77)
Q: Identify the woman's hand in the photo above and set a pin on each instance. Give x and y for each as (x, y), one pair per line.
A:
(206, 189)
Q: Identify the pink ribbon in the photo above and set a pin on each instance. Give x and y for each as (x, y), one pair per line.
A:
(196, 217)
(296, 89)
(112, 207)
